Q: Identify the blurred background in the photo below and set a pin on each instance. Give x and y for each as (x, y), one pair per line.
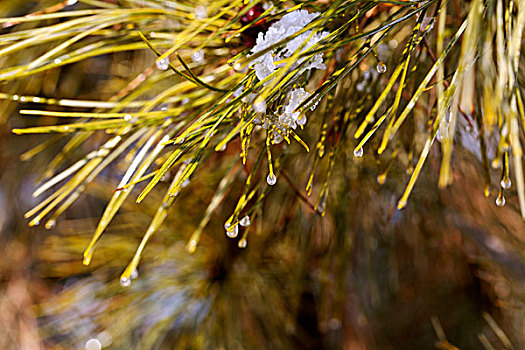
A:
(447, 272)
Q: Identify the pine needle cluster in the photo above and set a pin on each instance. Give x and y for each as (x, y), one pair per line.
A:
(182, 91)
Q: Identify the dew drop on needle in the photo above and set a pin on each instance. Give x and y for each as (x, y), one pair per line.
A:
(271, 179)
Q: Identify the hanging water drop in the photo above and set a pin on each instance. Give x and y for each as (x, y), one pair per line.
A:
(358, 152)
(506, 183)
(125, 281)
(301, 120)
(163, 64)
(381, 67)
(381, 179)
(500, 201)
(242, 243)
(197, 56)
(232, 232)
(93, 344)
(87, 260)
(50, 224)
(134, 274)
(192, 246)
(245, 221)
(271, 179)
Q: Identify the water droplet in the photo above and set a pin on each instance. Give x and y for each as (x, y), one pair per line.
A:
(87, 260)
(125, 281)
(334, 324)
(222, 148)
(36, 99)
(401, 204)
(381, 179)
(381, 67)
(66, 127)
(130, 119)
(201, 12)
(242, 243)
(506, 183)
(50, 224)
(259, 106)
(500, 201)
(197, 56)
(93, 344)
(134, 274)
(163, 64)
(71, 2)
(358, 152)
(271, 179)
(105, 338)
(185, 183)
(15, 97)
(301, 120)
(245, 221)
(232, 232)
(192, 246)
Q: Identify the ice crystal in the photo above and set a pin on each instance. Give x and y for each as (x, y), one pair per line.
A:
(268, 63)
(290, 24)
(290, 117)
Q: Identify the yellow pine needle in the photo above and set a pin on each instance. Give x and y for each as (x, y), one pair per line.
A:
(426, 81)
(370, 115)
(301, 142)
(214, 203)
(413, 178)
(156, 222)
(134, 171)
(269, 154)
(197, 27)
